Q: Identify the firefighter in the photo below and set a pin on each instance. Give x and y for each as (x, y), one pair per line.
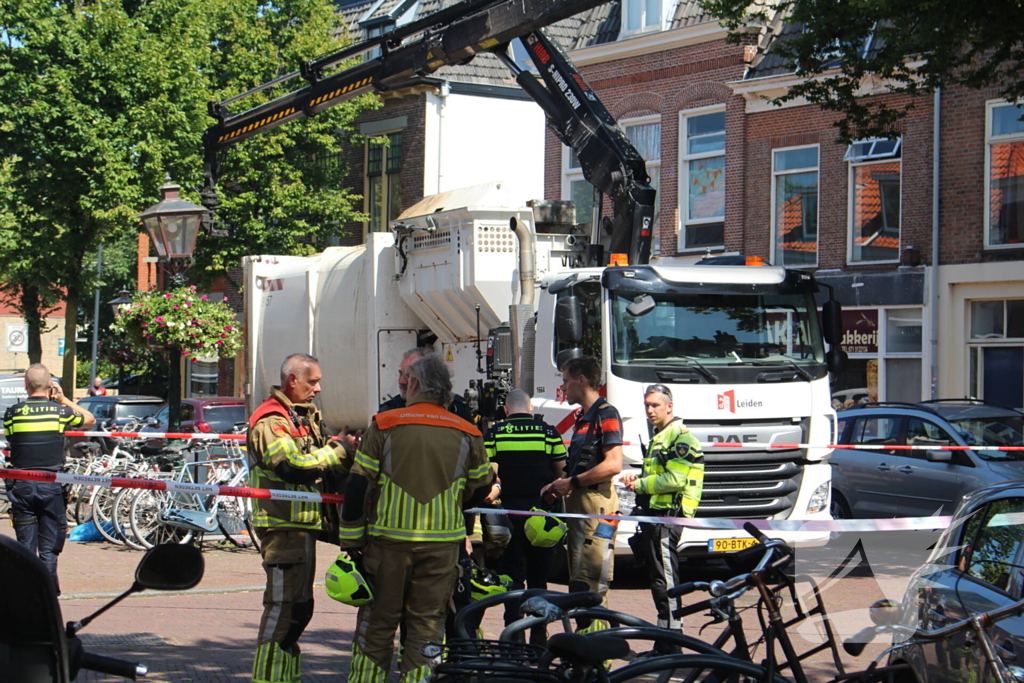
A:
(670, 485)
(528, 453)
(595, 459)
(35, 434)
(289, 449)
(416, 467)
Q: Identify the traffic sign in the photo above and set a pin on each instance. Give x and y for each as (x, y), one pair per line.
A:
(17, 338)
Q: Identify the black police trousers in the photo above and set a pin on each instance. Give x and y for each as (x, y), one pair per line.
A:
(40, 523)
(528, 566)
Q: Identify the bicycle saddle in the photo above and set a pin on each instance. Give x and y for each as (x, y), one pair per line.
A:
(590, 649)
(86, 446)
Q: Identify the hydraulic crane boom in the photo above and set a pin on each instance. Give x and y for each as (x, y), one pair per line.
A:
(452, 36)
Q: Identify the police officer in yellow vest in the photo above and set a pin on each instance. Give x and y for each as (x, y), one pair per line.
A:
(416, 469)
(669, 486)
(289, 450)
(35, 432)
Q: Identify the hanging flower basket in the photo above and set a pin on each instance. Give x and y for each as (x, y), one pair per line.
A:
(182, 318)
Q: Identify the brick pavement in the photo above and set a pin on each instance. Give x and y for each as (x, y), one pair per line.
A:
(206, 635)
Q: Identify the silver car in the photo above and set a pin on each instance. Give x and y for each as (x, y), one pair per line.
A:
(918, 483)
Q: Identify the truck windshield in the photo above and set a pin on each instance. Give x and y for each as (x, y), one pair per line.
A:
(717, 329)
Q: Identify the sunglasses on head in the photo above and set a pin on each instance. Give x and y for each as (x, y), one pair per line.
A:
(660, 388)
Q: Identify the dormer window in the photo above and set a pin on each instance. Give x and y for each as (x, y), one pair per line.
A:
(641, 16)
(373, 32)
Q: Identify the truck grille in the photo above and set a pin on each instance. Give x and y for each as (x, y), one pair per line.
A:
(748, 483)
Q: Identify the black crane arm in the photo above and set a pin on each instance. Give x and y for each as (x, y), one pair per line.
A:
(452, 36)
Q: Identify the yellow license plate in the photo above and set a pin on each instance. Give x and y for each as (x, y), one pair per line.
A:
(728, 545)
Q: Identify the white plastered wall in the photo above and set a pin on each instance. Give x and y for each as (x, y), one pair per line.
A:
(472, 140)
(958, 285)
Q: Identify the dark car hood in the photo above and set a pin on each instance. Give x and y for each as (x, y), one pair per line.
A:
(1011, 469)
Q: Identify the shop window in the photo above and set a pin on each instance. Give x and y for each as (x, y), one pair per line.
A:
(886, 356)
(202, 379)
(702, 179)
(1004, 178)
(795, 206)
(384, 180)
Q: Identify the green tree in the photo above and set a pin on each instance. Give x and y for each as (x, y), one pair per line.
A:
(98, 101)
(910, 47)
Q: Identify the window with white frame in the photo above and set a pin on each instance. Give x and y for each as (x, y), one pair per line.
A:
(383, 180)
(795, 206)
(996, 351)
(702, 179)
(875, 190)
(645, 134)
(641, 15)
(576, 188)
(1004, 177)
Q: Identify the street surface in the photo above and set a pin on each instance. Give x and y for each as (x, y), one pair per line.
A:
(206, 635)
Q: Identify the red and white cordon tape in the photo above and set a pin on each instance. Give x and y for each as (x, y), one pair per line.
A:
(165, 485)
(704, 444)
(850, 525)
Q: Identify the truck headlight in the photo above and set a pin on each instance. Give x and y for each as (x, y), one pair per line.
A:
(819, 499)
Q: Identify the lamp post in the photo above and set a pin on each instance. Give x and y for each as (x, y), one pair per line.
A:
(173, 225)
(123, 301)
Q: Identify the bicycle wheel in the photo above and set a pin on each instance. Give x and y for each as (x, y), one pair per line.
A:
(703, 668)
(103, 515)
(122, 518)
(144, 518)
(231, 518)
(84, 505)
(251, 529)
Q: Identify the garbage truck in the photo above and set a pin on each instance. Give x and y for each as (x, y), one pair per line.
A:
(507, 290)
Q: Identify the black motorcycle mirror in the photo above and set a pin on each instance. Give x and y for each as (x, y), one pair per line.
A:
(165, 567)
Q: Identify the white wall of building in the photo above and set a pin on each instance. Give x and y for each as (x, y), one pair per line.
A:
(472, 139)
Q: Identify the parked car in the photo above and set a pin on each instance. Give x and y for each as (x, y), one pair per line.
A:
(918, 483)
(114, 412)
(977, 566)
(211, 414)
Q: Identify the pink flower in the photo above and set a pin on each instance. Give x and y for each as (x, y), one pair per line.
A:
(168, 295)
(220, 343)
(185, 305)
(186, 353)
(175, 306)
(225, 299)
(159, 318)
(204, 297)
(227, 328)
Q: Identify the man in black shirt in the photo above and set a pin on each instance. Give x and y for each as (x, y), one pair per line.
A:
(457, 406)
(35, 431)
(527, 452)
(595, 459)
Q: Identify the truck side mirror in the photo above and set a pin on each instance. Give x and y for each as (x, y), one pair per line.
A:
(569, 320)
(832, 322)
(836, 359)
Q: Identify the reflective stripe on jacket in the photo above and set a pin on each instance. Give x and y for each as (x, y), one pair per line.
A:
(673, 474)
(275, 437)
(420, 462)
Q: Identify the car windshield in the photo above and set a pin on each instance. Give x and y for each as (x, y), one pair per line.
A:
(993, 431)
(137, 410)
(718, 329)
(222, 419)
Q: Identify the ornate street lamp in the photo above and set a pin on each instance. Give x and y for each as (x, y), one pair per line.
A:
(123, 300)
(173, 225)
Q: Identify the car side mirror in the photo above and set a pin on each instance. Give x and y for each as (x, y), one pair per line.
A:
(152, 422)
(939, 456)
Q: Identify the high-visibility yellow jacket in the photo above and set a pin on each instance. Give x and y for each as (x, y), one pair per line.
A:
(420, 464)
(673, 474)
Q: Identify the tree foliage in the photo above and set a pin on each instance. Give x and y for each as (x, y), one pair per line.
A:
(99, 100)
(910, 47)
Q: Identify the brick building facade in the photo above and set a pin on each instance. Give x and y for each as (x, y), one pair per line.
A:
(860, 217)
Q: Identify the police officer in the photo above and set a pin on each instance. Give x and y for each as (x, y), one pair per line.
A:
(35, 434)
(417, 465)
(669, 486)
(289, 449)
(457, 405)
(527, 452)
(595, 459)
